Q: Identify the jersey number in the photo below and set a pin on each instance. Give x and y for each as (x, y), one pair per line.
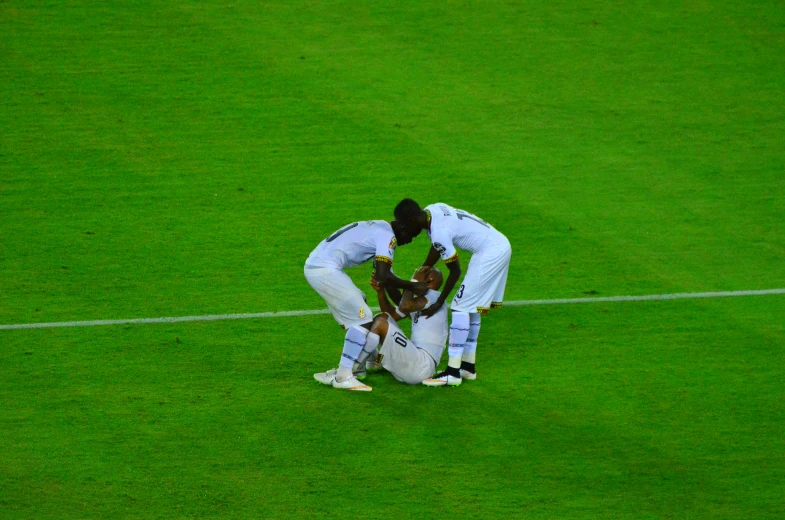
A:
(400, 339)
(341, 231)
(462, 216)
(459, 294)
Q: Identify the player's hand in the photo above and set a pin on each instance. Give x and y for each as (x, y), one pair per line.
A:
(375, 284)
(433, 309)
(419, 288)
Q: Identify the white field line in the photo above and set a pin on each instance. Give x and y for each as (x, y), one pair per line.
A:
(216, 317)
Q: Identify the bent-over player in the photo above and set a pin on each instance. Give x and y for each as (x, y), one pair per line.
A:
(482, 287)
(352, 245)
(409, 360)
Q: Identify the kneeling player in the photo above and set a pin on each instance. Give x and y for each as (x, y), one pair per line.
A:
(409, 360)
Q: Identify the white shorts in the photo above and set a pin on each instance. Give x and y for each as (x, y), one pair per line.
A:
(346, 302)
(403, 359)
(486, 278)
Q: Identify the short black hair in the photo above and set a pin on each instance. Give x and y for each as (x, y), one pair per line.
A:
(407, 209)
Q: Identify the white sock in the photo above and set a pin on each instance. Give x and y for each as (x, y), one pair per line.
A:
(454, 362)
(369, 350)
(459, 332)
(353, 344)
(470, 349)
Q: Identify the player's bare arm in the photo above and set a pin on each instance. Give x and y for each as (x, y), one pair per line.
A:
(454, 266)
(432, 258)
(384, 303)
(385, 276)
(394, 294)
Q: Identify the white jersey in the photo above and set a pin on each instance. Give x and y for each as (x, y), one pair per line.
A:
(355, 244)
(430, 334)
(450, 228)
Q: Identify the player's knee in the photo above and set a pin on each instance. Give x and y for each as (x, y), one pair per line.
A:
(380, 324)
(366, 325)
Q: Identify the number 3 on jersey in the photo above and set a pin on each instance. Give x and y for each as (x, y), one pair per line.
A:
(459, 294)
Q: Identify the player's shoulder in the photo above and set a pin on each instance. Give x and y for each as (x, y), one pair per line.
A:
(440, 208)
(381, 227)
(431, 296)
(383, 233)
(373, 227)
(440, 214)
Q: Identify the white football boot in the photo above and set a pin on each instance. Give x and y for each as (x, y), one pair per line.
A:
(351, 384)
(359, 371)
(466, 374)
(471, 376)
(328, 378)
(442, 379)
(373, 363)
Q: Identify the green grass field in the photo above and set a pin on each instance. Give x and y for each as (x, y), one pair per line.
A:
(177, 159)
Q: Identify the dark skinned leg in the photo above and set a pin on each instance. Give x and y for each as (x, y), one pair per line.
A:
(379, 326)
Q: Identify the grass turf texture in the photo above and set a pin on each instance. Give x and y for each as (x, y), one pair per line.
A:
(165, 160)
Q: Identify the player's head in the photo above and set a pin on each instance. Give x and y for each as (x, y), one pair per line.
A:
(434, 279)
(408, 213)
(402, 236)
(430, 275)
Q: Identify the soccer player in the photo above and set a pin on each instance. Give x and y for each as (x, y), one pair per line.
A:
(482, 287)
(352, 245)
(409, 360)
